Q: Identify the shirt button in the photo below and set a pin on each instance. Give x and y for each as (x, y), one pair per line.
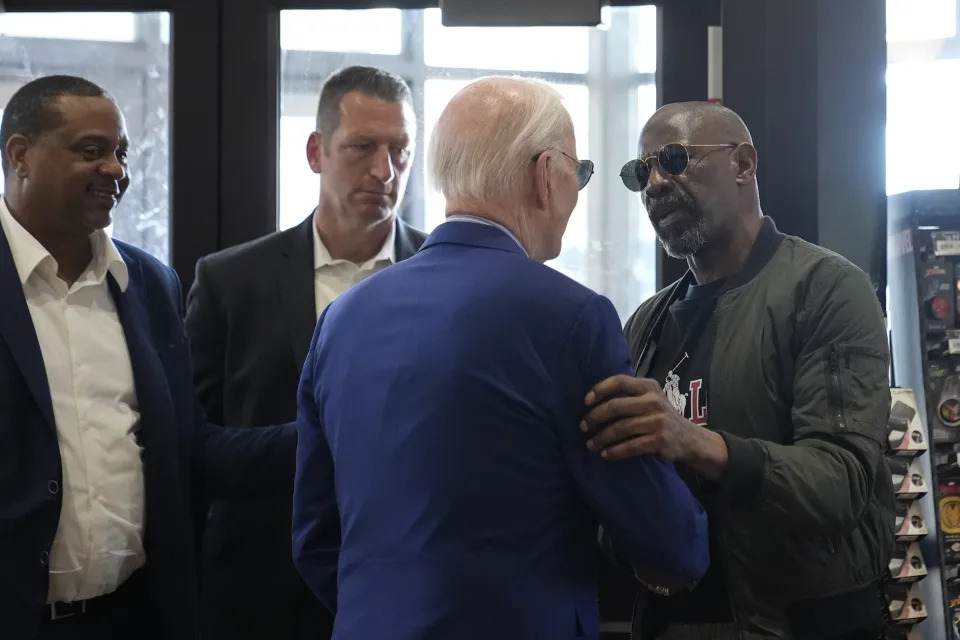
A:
(44, 558)
(53, 487)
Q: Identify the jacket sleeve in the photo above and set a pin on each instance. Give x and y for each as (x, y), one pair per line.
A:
(316, 518)
(232, 462)
(206, 330)
(822, 482)
(642, 504)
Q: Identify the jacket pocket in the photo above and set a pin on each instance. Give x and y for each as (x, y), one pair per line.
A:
(858, 390)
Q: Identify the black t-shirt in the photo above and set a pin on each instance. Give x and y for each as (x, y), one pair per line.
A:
(680, 365)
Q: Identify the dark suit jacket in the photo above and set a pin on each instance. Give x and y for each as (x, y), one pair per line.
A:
(444, 489)
(250, 316)
(182, 455)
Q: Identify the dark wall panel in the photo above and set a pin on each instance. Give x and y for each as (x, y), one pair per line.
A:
(807, 76)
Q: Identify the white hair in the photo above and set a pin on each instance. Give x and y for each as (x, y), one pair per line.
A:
(484, 142)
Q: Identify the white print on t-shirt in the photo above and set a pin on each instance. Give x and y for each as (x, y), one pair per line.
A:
(671, 387)
(697, 400)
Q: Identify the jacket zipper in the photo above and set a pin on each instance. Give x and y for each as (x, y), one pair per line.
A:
(836, 389)
(641, 355)
(721, 544)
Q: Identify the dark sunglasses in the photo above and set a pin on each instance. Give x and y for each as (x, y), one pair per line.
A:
(584, 168)
(673, 158)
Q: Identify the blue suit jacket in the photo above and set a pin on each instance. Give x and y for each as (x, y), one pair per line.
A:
(443, 487)
(182, 455)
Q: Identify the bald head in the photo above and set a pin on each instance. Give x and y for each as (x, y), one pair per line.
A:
(483, 144)
(694, 121)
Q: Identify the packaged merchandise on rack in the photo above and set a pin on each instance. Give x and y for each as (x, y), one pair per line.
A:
(949, 505)
(953, 594)
(907, 568)
(903, 633)
(923, 307)
(907, 476)
(910, 525)
(906, 605)
(906, 437)
(907, 564)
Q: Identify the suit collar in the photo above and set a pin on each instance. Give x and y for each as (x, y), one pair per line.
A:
(408, 240)
(295, 285)
(19, 334)
(295, 277)
(29, 255)
(468, 233)
(322, 257)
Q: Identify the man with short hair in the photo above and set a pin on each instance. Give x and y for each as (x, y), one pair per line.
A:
(443, 488)
(763, 374)
(104, 450)
(251, 312)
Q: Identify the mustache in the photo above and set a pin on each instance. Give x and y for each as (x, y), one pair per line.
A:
(658, 208)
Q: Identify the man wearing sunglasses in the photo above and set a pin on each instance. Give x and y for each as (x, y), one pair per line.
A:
(763, 374)
(468, 502)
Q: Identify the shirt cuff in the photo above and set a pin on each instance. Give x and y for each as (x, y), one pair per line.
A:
(744, 474)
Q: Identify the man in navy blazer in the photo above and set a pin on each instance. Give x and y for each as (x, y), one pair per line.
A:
(444, 488)
(104, 449)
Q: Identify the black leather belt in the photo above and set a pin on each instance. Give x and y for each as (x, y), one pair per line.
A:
(61, 610)
(130, 589)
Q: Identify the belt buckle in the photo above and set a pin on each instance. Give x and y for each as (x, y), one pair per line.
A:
(71, 609)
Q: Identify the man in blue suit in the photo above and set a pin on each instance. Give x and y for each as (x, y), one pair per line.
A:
(103, 447)
(443, 487)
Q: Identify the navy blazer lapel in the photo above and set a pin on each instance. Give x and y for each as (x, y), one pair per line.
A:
(295, 275)
(158, 428)
(19, 334)
(157, 417)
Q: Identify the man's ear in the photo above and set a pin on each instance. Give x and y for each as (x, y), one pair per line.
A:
(746, 156)
(315, 152)
(541, 179)
(16, 154)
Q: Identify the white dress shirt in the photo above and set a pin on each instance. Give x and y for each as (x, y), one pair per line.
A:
(99, 541)
(333, 277)
(468, 217)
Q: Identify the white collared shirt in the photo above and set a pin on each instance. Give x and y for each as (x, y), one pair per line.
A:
(333, 277)
(99, 541)
(469, 217)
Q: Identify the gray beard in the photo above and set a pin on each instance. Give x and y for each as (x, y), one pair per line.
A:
(686, 243)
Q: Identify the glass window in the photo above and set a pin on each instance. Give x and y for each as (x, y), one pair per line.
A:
(557, 49)
(646, 105)
(922, 103)
(910, 21)
(106, 48)
(337, 30)
(164, 25)
(299, 185)
(104, 27)
(609, 245)
(645, 41)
